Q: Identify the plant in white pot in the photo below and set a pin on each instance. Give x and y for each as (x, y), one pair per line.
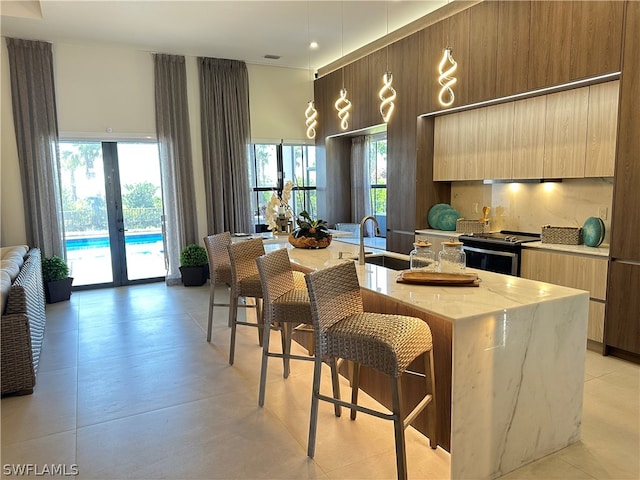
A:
(56, 279)
(194, 265)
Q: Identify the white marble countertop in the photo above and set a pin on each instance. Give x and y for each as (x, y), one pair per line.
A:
(438, 233)
(496, 292)
(601, 251)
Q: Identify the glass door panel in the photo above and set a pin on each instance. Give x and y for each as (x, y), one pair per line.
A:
(85, 213)
(140, 188)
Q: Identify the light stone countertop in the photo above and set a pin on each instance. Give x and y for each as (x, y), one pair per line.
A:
(495, 294)
(601, 251)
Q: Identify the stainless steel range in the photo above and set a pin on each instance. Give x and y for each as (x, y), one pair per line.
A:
(496, 252)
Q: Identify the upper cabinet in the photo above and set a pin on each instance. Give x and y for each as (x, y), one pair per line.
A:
(483, 51)
(565, 133)
(569, 134)
(602, 129)
(528, 137)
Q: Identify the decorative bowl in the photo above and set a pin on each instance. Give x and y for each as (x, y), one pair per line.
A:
(310, 242)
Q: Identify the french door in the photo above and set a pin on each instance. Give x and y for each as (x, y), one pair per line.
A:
(112, 207)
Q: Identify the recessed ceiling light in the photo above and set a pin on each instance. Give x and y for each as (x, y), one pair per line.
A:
(272, 57)
(313, 45)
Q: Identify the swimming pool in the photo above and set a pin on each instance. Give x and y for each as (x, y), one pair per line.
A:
(74, 244)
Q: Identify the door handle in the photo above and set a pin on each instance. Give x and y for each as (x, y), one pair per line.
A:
(123, 229)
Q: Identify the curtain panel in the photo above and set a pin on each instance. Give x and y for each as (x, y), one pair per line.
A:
(174, 144)
(360, 186)
(226, 138)
(36, 125)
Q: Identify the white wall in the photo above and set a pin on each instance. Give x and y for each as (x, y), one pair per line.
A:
(100, 88)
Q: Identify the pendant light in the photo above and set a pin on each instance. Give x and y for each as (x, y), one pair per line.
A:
(446, 79)
(343, 105)
(310, 113)
(387, 93)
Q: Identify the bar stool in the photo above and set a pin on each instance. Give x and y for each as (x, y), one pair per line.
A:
(245, 282)
(219, 269)
(387, 343)
(285, 305)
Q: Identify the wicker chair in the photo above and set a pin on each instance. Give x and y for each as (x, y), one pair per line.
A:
(219, 268)
(285, 306)
(245, 282)
(387, 343)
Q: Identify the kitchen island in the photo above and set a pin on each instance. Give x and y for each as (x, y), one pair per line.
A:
(509, 360)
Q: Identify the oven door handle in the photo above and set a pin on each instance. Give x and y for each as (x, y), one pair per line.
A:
(490, 252)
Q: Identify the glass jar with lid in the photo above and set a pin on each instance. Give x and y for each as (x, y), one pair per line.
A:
(452, 259)
(422, 257)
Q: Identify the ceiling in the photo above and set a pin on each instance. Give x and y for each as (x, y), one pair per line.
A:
(240, 30)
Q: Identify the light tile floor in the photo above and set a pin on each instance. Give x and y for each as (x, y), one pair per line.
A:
(129, 388)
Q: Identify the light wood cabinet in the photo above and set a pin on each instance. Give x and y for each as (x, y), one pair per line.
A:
(565, 133)
(496, 156)
(528, 137)
(457, 140)
(576, 271)
(602, 129)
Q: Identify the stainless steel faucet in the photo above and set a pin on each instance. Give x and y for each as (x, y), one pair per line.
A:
(377, 232)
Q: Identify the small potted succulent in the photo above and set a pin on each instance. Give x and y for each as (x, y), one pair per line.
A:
(194, 265)
(310, 233)
(56, 279)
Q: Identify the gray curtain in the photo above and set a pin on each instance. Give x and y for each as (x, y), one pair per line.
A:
(226, 137)
(34, 116)
(360, 185)
(174, 142)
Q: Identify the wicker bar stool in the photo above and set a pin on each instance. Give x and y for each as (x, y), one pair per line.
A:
(387, 343)
(219, 269)
(285, 305)
(245, 282)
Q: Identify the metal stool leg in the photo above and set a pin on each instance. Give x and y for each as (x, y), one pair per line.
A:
(313, 418)
(398, 426)
(355, 386)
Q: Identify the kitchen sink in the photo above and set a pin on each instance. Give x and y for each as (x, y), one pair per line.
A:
(387, 261)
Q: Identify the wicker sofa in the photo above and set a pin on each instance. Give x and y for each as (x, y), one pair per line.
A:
(23, 318)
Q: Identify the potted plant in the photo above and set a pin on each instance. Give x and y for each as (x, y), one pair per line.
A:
(194, 265)
(310, 233)
(56, 279)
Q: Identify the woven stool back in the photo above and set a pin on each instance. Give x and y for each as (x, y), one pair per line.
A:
(334, 294)
(242, 256)
(276, 276)
(218, 254)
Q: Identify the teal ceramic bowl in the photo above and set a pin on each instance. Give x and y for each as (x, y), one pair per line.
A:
(593, 231)
(447, 220)
(434, 213)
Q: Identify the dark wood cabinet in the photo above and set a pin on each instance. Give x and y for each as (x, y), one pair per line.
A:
(430, 53)
(596, 38)
(622, 314)
(326, 91)
(356, 81)
(549, 44)
(378, 66)
(625, 222)
(512, 61)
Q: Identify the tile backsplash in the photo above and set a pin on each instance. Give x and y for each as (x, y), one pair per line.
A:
(526, 207)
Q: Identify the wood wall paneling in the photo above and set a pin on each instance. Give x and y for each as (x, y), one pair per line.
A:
(402, 175)
(602, 127)
(528, 137)
(512, 61)
(549, 43)
(335, 194)
(596, 38)
(483, 51)
(566, 133)
(625, 222)
(330, 86)
(356, 81)
(378, 66)
(432, 44)
(456, 36)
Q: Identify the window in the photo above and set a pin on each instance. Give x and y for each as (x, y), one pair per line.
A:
(378, 179)
(270, 169)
